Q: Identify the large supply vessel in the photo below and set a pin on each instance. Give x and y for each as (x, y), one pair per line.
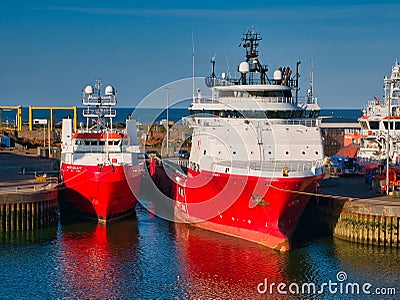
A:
(256, 155)
(100, 169)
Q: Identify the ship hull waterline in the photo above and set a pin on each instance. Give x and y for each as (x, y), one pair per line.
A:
(261, 210)
(103, 193)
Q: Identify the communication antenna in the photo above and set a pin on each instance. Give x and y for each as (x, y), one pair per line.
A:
(193, 66)
(212, 61)
(228, 72)
(310, 92)
(311, 76)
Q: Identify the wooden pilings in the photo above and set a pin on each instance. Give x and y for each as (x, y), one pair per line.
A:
(368, 229)
(28, 211)
(366, 221)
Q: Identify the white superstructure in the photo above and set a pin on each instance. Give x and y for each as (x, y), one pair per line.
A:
(255, 126)
(98, 143)
(380, 120)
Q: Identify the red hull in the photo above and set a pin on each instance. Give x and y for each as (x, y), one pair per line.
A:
(101, 192)
(261, 210)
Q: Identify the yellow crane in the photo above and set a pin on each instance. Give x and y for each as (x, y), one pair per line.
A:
(19, 115)
(51, 108)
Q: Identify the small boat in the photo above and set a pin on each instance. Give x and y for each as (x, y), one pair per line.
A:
(100, 169)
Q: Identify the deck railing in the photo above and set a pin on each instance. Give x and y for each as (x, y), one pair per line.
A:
(271, 166)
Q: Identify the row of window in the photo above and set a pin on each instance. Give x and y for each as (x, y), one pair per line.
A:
(96, 142)
(258, 114)
(256, 94)
(374, 125)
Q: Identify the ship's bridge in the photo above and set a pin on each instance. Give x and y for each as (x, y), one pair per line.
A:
(272, 101)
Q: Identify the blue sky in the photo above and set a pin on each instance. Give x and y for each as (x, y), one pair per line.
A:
(51, 49)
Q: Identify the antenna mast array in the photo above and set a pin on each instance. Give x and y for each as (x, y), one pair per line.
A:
(99, 106)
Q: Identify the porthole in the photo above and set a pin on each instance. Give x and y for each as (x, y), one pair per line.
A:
(269, 152)
(303, 152)
(234, 152)
(287, 152)
(316, 152)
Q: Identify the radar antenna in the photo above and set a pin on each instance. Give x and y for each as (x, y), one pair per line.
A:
(251, 41)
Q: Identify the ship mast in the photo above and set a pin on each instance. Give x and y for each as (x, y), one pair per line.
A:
(99, 107)
(250, 41)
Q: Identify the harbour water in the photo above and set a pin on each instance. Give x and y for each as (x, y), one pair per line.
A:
(150, 258)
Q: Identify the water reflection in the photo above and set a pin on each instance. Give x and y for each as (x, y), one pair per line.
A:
(28, 237)
(150, 258)
(93, 258)
(219, 266)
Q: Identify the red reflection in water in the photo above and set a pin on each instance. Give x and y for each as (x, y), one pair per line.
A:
(218, 266)
(91, 258)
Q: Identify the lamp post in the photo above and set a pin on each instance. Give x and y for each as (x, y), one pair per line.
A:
(388, 96)
(168, 88)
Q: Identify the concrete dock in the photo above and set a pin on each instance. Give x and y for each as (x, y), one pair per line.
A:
(349, 209)
(25, 202)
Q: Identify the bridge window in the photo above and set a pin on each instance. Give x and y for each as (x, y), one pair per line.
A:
(374, 125)
(394, 124)
(257, 114)
(270, 94)
(364, 125)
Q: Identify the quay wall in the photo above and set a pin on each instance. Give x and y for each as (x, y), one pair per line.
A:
(24, 211)
(370, 220)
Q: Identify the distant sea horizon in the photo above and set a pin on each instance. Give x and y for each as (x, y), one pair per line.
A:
(150, 115)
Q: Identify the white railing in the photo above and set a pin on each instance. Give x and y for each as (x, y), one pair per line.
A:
(305, 122)
(270, 166)
(104, 101)
(224, 100)
(96, 149)
(91, 113)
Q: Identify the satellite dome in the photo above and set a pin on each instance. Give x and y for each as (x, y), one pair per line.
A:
(278, 75)
(109, 90)
(88, 90)
(244, 67)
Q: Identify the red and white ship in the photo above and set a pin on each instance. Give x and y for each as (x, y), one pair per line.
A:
(256, 154)
(100, 170)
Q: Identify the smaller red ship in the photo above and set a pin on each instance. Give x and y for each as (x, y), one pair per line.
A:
(100, 170)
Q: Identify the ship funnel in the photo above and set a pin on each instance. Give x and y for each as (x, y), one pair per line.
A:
(244, 67)
(109, 90)
(88, 90)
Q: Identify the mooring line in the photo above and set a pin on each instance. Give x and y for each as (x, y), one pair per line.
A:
(314, 194)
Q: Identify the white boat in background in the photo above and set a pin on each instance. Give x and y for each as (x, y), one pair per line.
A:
(380, 120)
